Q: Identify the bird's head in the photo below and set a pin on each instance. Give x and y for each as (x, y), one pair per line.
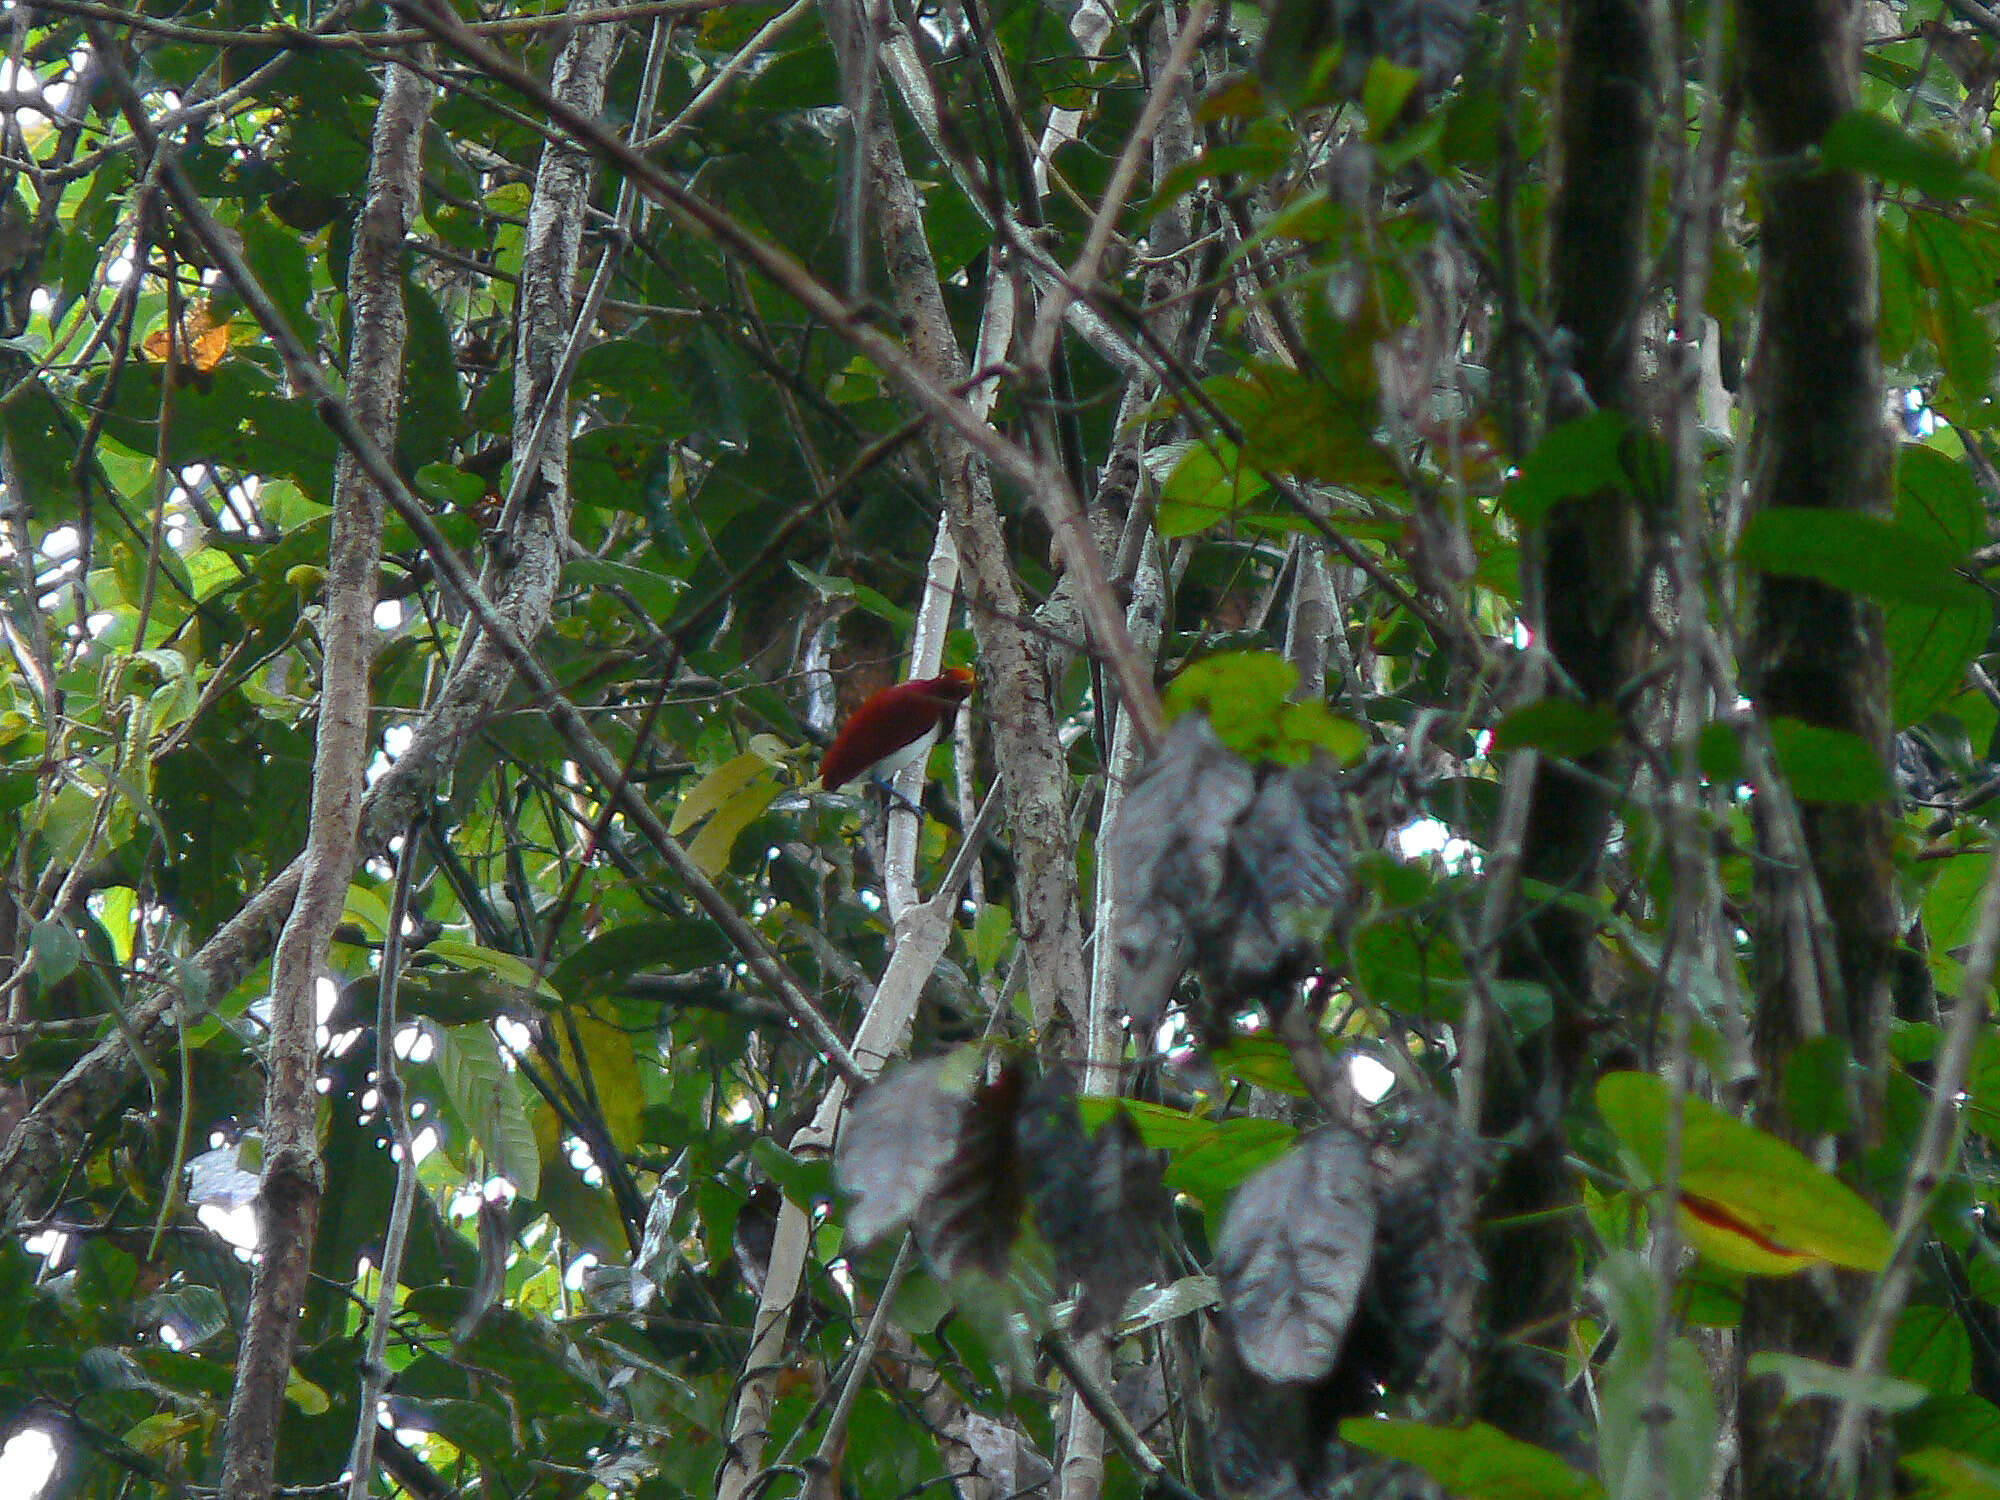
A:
(955, 683)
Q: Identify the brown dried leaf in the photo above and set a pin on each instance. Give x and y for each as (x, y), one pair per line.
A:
(973, 1211)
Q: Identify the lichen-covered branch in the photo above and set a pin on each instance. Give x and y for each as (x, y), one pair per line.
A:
(289, 1196)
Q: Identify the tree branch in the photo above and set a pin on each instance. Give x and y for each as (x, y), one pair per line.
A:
(288, 1197)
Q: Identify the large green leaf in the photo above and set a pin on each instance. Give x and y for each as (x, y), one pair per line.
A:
(487, 1095)
(1952, 901)
(1644, 1428)
(1941, 1474)
(1932, 643)
(1810, 1377)
(1209, 485)
(1827, 765)
(1478, 1462)
(1299, 424)
(1744, 1180)
(1876, 145)
(1581, 457)
(1557, 726)
(1893, 562)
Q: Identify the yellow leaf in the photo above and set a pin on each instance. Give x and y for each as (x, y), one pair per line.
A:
(306, 1396)
(711, 846)
(716, 788)
(614, 1071)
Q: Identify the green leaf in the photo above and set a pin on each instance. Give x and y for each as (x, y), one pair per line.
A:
(510, 969)
(1244, 693)
(1952, 902)
(1304, 729)
(1944, 1475)
(1889, 561)
(306, 1396)
(1968, 1424)
(1232, 1154)
(488, 1098)
(1931, 644)
(277, 258)
(1161, 1127)
(712, 847)
(1816, 1086)
(1209, 485)
(807, 1183)
(1719, 753)
(57, 950)
(1937, 496)
(732, 797)
(1262, 1061)
(1401, 965)
(1384, 92)
(612, 956)
(1827, 765)
(1633, 1440)
(718, 787)
(1297, 423)
(1931, 1347)
(870, 599)
(1930, 649)
(1578, 458)
(1473, 1463)
(614, 1070)
(1876, 146)
(1763, 1184)
(1809, 1377)
(1557, 726)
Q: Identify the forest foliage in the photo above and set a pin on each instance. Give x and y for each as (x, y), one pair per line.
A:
(1447, 952)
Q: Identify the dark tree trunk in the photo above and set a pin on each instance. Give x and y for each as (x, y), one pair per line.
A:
(1816, 654)
(1584, 567)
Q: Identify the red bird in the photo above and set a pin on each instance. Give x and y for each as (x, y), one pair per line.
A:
(894, 727)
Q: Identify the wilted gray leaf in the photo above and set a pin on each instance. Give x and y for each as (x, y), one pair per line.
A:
(659, 1254)
(1153, 952)
(1196, 791)
(1191, 1294)
(1173, 825)
(897, 1138)
(1168, 857)
(1289, 873)
(1293, 1253)
(1008, 1462)
(1428, 35)
(495, 1241)
(219, 1177)
(1100, 1201)
(196, 1313)
(1424, 1254)
(1264, 1432)
(1294, 840)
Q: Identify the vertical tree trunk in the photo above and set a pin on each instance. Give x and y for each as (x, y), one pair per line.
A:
(1584, 569)
(1816, 654)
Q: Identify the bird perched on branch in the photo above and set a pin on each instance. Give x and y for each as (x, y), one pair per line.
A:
(894, 727)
